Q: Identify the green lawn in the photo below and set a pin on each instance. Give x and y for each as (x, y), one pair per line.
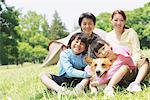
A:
(22, 83)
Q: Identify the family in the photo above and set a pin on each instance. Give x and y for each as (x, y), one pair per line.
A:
(121, 46)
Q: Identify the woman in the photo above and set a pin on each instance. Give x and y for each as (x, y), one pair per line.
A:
(123, 36)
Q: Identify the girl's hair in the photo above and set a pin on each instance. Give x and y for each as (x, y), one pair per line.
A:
(97, 44)
(83, 37)
(86, 15)
(121, 12)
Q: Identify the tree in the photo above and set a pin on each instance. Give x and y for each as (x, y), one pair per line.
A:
(8, 34)
(145, 42)
(103, 21)
(39, 53)
(39, 39)
(33, 29)
(31, 24)
(57, 29)
(25, 52)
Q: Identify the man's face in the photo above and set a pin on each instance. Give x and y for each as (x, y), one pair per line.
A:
(87, 26)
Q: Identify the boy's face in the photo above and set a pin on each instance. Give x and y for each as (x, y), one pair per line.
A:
(77, 46)
(104, 51)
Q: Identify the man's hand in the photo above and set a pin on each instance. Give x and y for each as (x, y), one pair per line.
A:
(94, 83)
(89, 70)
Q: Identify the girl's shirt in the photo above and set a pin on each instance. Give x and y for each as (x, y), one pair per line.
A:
(123, 58)
(72, 65)
(128, 39)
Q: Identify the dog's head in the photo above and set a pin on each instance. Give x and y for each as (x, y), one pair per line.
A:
(99, 65)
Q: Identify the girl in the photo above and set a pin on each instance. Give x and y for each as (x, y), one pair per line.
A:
(123, 36)
(71, 65)
(121, 64)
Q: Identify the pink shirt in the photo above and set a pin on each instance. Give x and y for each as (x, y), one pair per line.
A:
(123, 58)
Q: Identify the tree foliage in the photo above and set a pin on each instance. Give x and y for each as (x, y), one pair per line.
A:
(33, 29)
(25, 52)
(39, 39)
(57, 29)
(31, 24)
(8, 34)
(103, 21)
(39, 54)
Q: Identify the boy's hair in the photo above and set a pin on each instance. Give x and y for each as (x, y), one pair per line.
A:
(86, 15)
(83, 37)
(97, 44)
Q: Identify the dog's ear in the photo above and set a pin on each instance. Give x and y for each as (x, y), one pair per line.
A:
(108, 62)
(88, 60)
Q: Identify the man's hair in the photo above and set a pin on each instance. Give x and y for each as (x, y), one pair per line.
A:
(86, 15)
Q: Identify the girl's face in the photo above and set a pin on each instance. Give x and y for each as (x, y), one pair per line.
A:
(77, 46)
(104, 51)
(87, 26)
(118, 22)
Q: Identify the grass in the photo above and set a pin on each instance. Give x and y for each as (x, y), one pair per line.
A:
(23, 83)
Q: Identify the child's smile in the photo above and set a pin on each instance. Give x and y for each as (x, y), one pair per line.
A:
(77, 46)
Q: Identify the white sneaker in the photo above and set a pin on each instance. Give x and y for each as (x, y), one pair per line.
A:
(79, 89)
(109, 91)
(63, 91)
(134, 87)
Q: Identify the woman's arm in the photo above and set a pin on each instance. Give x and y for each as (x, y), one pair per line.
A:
(135, 45)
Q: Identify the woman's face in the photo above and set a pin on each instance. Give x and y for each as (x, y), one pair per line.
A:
(118, 22)
(87, 26)
(77, 46)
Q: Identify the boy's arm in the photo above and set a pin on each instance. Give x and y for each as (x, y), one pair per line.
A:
(70, 71)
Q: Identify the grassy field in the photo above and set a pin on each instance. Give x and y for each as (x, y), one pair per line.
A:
(23, 83)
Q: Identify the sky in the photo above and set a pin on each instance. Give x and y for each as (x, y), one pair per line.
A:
(70, 10)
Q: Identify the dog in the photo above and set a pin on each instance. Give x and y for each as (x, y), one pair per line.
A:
(97, 67)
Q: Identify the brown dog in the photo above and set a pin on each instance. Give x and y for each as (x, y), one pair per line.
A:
(97, 67)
